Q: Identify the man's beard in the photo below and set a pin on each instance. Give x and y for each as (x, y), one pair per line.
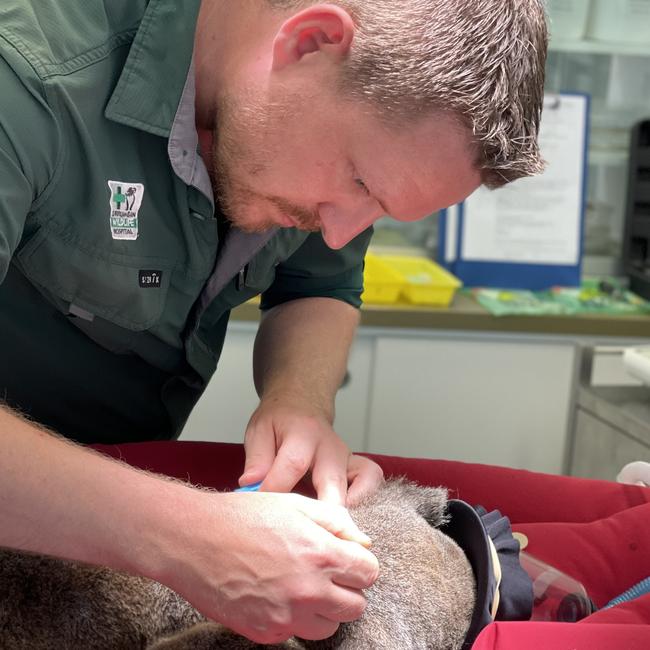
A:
(243, 140)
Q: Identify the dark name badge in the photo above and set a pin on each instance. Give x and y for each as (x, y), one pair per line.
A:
(150, 279)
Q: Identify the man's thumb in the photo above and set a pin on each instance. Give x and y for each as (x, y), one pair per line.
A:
(337, 520)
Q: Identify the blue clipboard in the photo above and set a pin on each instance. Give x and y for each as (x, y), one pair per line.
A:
(503, 273)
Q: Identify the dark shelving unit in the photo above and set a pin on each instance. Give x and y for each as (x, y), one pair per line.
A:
(637, 230)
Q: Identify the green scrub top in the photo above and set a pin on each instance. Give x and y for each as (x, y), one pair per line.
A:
(117, 275)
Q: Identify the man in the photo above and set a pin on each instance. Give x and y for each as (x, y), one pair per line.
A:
(309, 121)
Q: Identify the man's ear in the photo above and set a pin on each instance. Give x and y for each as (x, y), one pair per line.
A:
(324, 28)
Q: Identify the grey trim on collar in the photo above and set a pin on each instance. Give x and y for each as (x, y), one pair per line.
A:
(239, 247)
(238, 250)
(183, 145)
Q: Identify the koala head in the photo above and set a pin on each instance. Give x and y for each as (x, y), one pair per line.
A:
(425, 593)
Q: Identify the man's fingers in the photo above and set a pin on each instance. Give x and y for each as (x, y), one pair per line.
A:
(315, 629)
(334, 519)
(345, 605)
(329, 473)
(292, 462)
(365, 478)
(342, 605)
(260, 453)
(339, 605)
(357, 568)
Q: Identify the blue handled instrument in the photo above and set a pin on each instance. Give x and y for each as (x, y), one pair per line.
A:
(250, 488)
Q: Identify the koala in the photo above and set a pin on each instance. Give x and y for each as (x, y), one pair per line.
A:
(422, 600)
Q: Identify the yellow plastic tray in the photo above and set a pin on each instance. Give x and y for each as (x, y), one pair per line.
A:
(425, 282)
(382, 284)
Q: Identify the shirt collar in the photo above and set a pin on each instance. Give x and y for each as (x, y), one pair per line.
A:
(151, 85)
(183, 145)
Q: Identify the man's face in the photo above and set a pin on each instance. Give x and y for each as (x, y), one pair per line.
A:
(317, 163)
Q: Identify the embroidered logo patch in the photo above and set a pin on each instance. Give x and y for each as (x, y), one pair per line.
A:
(126, 200)
(150, 279)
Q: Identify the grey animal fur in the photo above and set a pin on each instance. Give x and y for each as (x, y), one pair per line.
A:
(423, 599)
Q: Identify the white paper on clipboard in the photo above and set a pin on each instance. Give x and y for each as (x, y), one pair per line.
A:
(536, 220)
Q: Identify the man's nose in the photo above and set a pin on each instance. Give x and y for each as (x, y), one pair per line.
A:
(341, 224)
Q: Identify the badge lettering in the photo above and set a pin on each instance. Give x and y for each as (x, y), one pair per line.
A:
(125, 201)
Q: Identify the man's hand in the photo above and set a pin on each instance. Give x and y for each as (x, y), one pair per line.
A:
(271, 566)
(300, 357)
(286, 439)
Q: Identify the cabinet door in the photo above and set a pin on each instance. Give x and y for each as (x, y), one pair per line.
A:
(351, 419)
(601, 450)
(225, 407)
(223, 411)
(493, 402)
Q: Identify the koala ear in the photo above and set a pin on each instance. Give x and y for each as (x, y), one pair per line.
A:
(429, 502)
(432, 505)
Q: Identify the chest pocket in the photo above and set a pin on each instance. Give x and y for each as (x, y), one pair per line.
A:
(127, 291)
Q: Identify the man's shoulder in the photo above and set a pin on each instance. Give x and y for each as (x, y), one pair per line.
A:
(64, 36)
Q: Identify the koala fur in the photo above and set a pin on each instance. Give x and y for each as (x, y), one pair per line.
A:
(422, 600)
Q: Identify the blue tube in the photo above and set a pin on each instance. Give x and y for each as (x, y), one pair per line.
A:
(250, 488)
(640, 589)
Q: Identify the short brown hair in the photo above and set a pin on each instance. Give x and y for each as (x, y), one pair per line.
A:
(481, 60)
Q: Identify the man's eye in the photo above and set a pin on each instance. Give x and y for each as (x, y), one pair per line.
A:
(362, 185)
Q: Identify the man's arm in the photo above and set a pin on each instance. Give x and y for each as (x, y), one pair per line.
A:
(268, 566)
(300, 359)
(302, 349)
(55, 496)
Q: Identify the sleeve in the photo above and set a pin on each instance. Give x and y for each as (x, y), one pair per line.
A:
(28, 152)
(315, 270)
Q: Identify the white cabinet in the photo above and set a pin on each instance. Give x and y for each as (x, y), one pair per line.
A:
(485, 401)
(223, 411)
(225, 407)
(353, 400)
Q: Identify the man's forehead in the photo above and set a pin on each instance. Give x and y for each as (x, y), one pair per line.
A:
(422, 168)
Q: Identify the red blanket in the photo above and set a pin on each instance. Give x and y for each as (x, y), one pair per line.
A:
(595, 531)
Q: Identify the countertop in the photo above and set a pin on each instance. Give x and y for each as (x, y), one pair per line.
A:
(466, 314)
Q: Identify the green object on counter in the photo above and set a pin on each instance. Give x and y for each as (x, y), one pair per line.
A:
(521, 303)
(601, 297)
(593, 297)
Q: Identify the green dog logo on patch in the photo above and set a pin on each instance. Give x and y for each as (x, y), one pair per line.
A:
(126, 201)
